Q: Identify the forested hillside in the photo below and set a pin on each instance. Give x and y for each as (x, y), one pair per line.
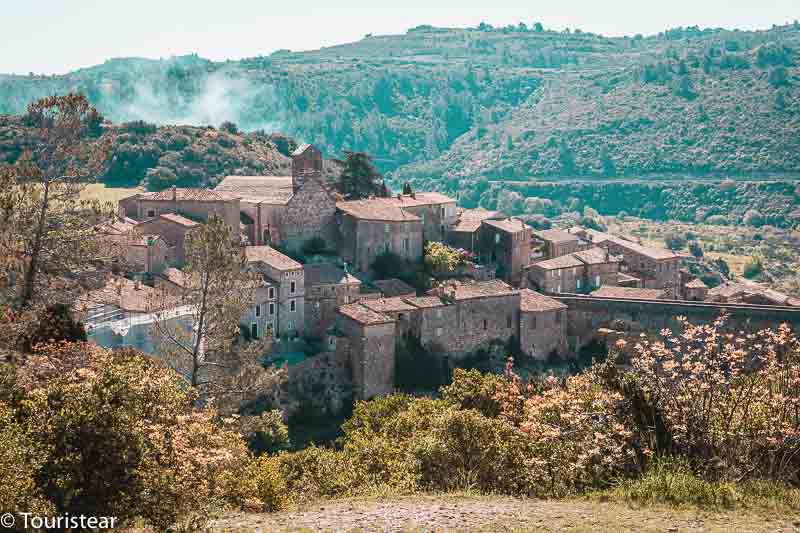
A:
(446, 107)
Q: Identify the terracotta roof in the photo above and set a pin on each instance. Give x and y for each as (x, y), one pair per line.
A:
(696, 284)
(629, 292)
(175, 276)
(364, 315)
(595, 256)
(421, 198)
(381, 209)
(327, 274)
(556, 263)
(728, 289)
(509, 225)
(127, 295)
(270, 256)
(394, 287)
(197, 195)
(647, 251)
(531, 301)
(481, 289)
(389, 305)
(425, 302)
(180, 220)
(622, 277)
(469, 220)
(274, 190)
(117, 227)
(555, 235)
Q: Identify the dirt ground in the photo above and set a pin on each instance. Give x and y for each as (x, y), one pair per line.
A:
(485, 514)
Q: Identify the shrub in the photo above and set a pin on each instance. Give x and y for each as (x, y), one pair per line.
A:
(388, 265)
(441, 258)
(315, 246)
(753, 268)
(675, 241)
(472, 389)
(696, 249)
(270, 483)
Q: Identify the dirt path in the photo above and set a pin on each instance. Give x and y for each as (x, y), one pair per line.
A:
(485, 514)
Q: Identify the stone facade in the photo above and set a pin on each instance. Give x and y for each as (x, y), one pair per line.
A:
(363, 237)
(577, 272)
(173, 229)
(542, 325)
(372, 347)
(287, 278)
(506, 243)
(147, 253)
(555, 243)
(327, 288)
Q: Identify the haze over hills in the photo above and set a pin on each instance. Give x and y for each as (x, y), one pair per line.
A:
(447, 107)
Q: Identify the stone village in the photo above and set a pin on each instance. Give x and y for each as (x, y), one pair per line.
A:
(547, 292)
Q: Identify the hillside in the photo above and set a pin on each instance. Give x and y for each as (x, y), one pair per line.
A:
(504, 103)
(163, 156)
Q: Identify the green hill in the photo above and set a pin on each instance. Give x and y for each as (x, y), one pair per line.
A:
(446, 107)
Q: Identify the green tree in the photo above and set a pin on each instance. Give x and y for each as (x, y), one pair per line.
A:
(359, 178)
(47, 233)
(219, 287)
(696, 249)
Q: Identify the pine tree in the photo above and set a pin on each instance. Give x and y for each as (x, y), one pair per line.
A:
(359, 177)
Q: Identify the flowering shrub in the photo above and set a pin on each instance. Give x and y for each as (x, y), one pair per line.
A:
(730, 400)
(442, 258)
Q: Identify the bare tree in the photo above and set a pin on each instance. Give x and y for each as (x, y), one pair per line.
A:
(47, 232)
(217, 288)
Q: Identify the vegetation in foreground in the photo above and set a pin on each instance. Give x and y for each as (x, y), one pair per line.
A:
(706, 417)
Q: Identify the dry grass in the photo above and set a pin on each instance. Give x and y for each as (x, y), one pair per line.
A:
(98, 191)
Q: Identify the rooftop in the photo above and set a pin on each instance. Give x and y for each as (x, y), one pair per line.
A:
(270, 256)
(301, 148)
(389, 305)
(555, 235)
(531, 301)
(364, 315)
(273, 190)
(197, 195)
(595, 256)
(380, 209)
(629, 292)
(479, 289)
(469, 220)
(556, 263)
(179, 219)
(394, 287)
(128, 295)
(509, 225)
(327, 274)
(425, 302)
(696, 284)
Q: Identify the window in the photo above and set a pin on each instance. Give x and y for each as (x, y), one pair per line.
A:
(258, 310)
(443, 212)
(292, 287)
(485, 324)
(271, 309)
(497, 238)
(533, 322)
(438, 313)
(597, 280)
(558, 317)
(151, 213)
(272, 293)
(292, 305)
(406, 245)
(387, 228)
(438, 332)
(387, 247)
(508, 322)
(290, 325)
(254, 330)
(579, 283)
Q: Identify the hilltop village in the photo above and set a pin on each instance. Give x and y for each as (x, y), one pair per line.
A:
(544, 294)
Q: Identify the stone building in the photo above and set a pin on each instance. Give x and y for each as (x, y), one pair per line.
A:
(173, 228)
(507, 243)
(281, 303)
(464, 233)
(577, 272)
(327, 287)
(286, 211)
(484, 312)
(542, 325)
(147, 254)
(657, 268)
(749, 293)
(371, 337)
(553, 243)
(194, 204)
(431, 320)
(396, 308)
(695, 290)
(368, 228)
(631, 293)
(394, 287)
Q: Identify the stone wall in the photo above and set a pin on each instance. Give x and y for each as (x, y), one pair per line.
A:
(323, 382)
(322, 301)
(543, 333)
(310, 213)
(364, 240)
(174, 234)
(477, 322)
(372, 356)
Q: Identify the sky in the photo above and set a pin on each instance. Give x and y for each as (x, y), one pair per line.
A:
(57, 36)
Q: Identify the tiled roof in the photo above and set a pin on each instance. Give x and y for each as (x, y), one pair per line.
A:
(629, 292)
(117, 227)
(622, 277)
(509, 225)
(178, 219)
(481, 289)
(422, 198)
(394, 287)
(469, 220)
(364, 315)
(425, 302)
(595, 256)
(270, 256)
(274, 190)
(726, 290)
(197, 195)
(127, 295)
(175, 276)
(531, 301)
(696, 284)
(648, 251)
(555, 235)
(327, 274)
(556, 263)
(389, 305)
(380, 209)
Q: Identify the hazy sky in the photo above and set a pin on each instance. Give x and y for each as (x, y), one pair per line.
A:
(55, 36)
